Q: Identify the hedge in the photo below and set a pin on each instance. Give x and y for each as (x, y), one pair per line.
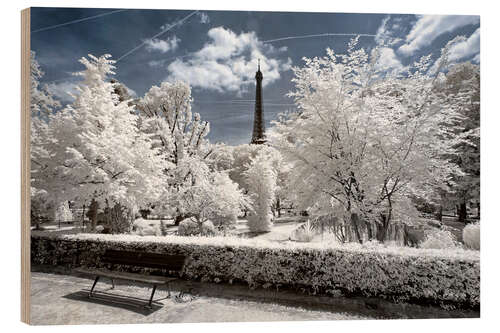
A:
(450, 278)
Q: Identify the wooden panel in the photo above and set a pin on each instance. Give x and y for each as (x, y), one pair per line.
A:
(25, 166)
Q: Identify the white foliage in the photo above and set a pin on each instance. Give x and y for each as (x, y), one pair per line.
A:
(63, 213)
(439, 239)
(304, 233)
(94, 149)
(194, 188)
(261, 179)
(472, 236)
(42, 101)
(364, 139)
(212, 197)
(188, 227)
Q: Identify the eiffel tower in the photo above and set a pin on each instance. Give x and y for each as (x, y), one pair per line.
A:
(258, 136)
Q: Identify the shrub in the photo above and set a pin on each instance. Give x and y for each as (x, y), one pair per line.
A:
(63, 213)
(471, 236)
(207, 228)
(443, 277)
(304, 233)
(188, 227)
(439, 239)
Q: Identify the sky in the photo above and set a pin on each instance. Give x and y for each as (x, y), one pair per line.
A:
(216, 52)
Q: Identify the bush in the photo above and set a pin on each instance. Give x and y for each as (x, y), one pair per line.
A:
(442, 277)
(207, 228)
(188, 227)
(439, 239)
(63, 213)
(471, 236)
(304, 233)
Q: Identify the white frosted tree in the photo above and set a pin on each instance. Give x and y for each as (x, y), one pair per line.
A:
(364, 139)
(180, 138)
(99, 155)
(242, 156)
(42, 101)
(462, 84)
(212, 197)
(42, 104)
(261, 181)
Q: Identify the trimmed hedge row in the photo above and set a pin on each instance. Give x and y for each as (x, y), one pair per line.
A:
(430, 278)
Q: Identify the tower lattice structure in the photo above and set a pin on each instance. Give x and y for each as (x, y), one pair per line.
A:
(258, 135)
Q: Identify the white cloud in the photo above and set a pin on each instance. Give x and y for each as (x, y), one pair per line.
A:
(63, 90)
(228, 62)
(161, 45)
(388, 60)
(429, 27)
(466, 48)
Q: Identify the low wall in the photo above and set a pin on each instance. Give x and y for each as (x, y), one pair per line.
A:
(446, 278)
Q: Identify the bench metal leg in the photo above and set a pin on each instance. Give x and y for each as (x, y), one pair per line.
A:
(93, 286)
(152, 294)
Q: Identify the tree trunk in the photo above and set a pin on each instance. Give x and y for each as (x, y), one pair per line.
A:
(439, 214)
(354, 224)
(92, 214)
(278, 206)
(462, 212)
(369, 230)
(478, 210)
(179, 218)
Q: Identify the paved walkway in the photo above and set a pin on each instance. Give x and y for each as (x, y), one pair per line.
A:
(61, 299)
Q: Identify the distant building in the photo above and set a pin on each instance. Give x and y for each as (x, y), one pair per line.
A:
(259, 135)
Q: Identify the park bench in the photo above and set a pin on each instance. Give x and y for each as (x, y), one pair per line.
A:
(170, 265)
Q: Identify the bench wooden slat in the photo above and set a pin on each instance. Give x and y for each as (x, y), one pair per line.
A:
(150, 279)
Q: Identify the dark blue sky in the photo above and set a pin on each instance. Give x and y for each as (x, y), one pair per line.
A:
(217, 51)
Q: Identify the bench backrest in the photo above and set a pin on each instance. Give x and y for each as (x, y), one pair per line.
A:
(144, 259)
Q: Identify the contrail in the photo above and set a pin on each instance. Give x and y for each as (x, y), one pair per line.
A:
(316, 35)
(155, 36)
(76, 21)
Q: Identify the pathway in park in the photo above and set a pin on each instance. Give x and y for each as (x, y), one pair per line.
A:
(58, 299)
(61, 299)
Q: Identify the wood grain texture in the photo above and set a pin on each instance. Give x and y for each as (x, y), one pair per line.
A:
(25, 166)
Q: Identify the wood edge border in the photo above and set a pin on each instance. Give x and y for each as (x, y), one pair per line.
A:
(25, 165)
